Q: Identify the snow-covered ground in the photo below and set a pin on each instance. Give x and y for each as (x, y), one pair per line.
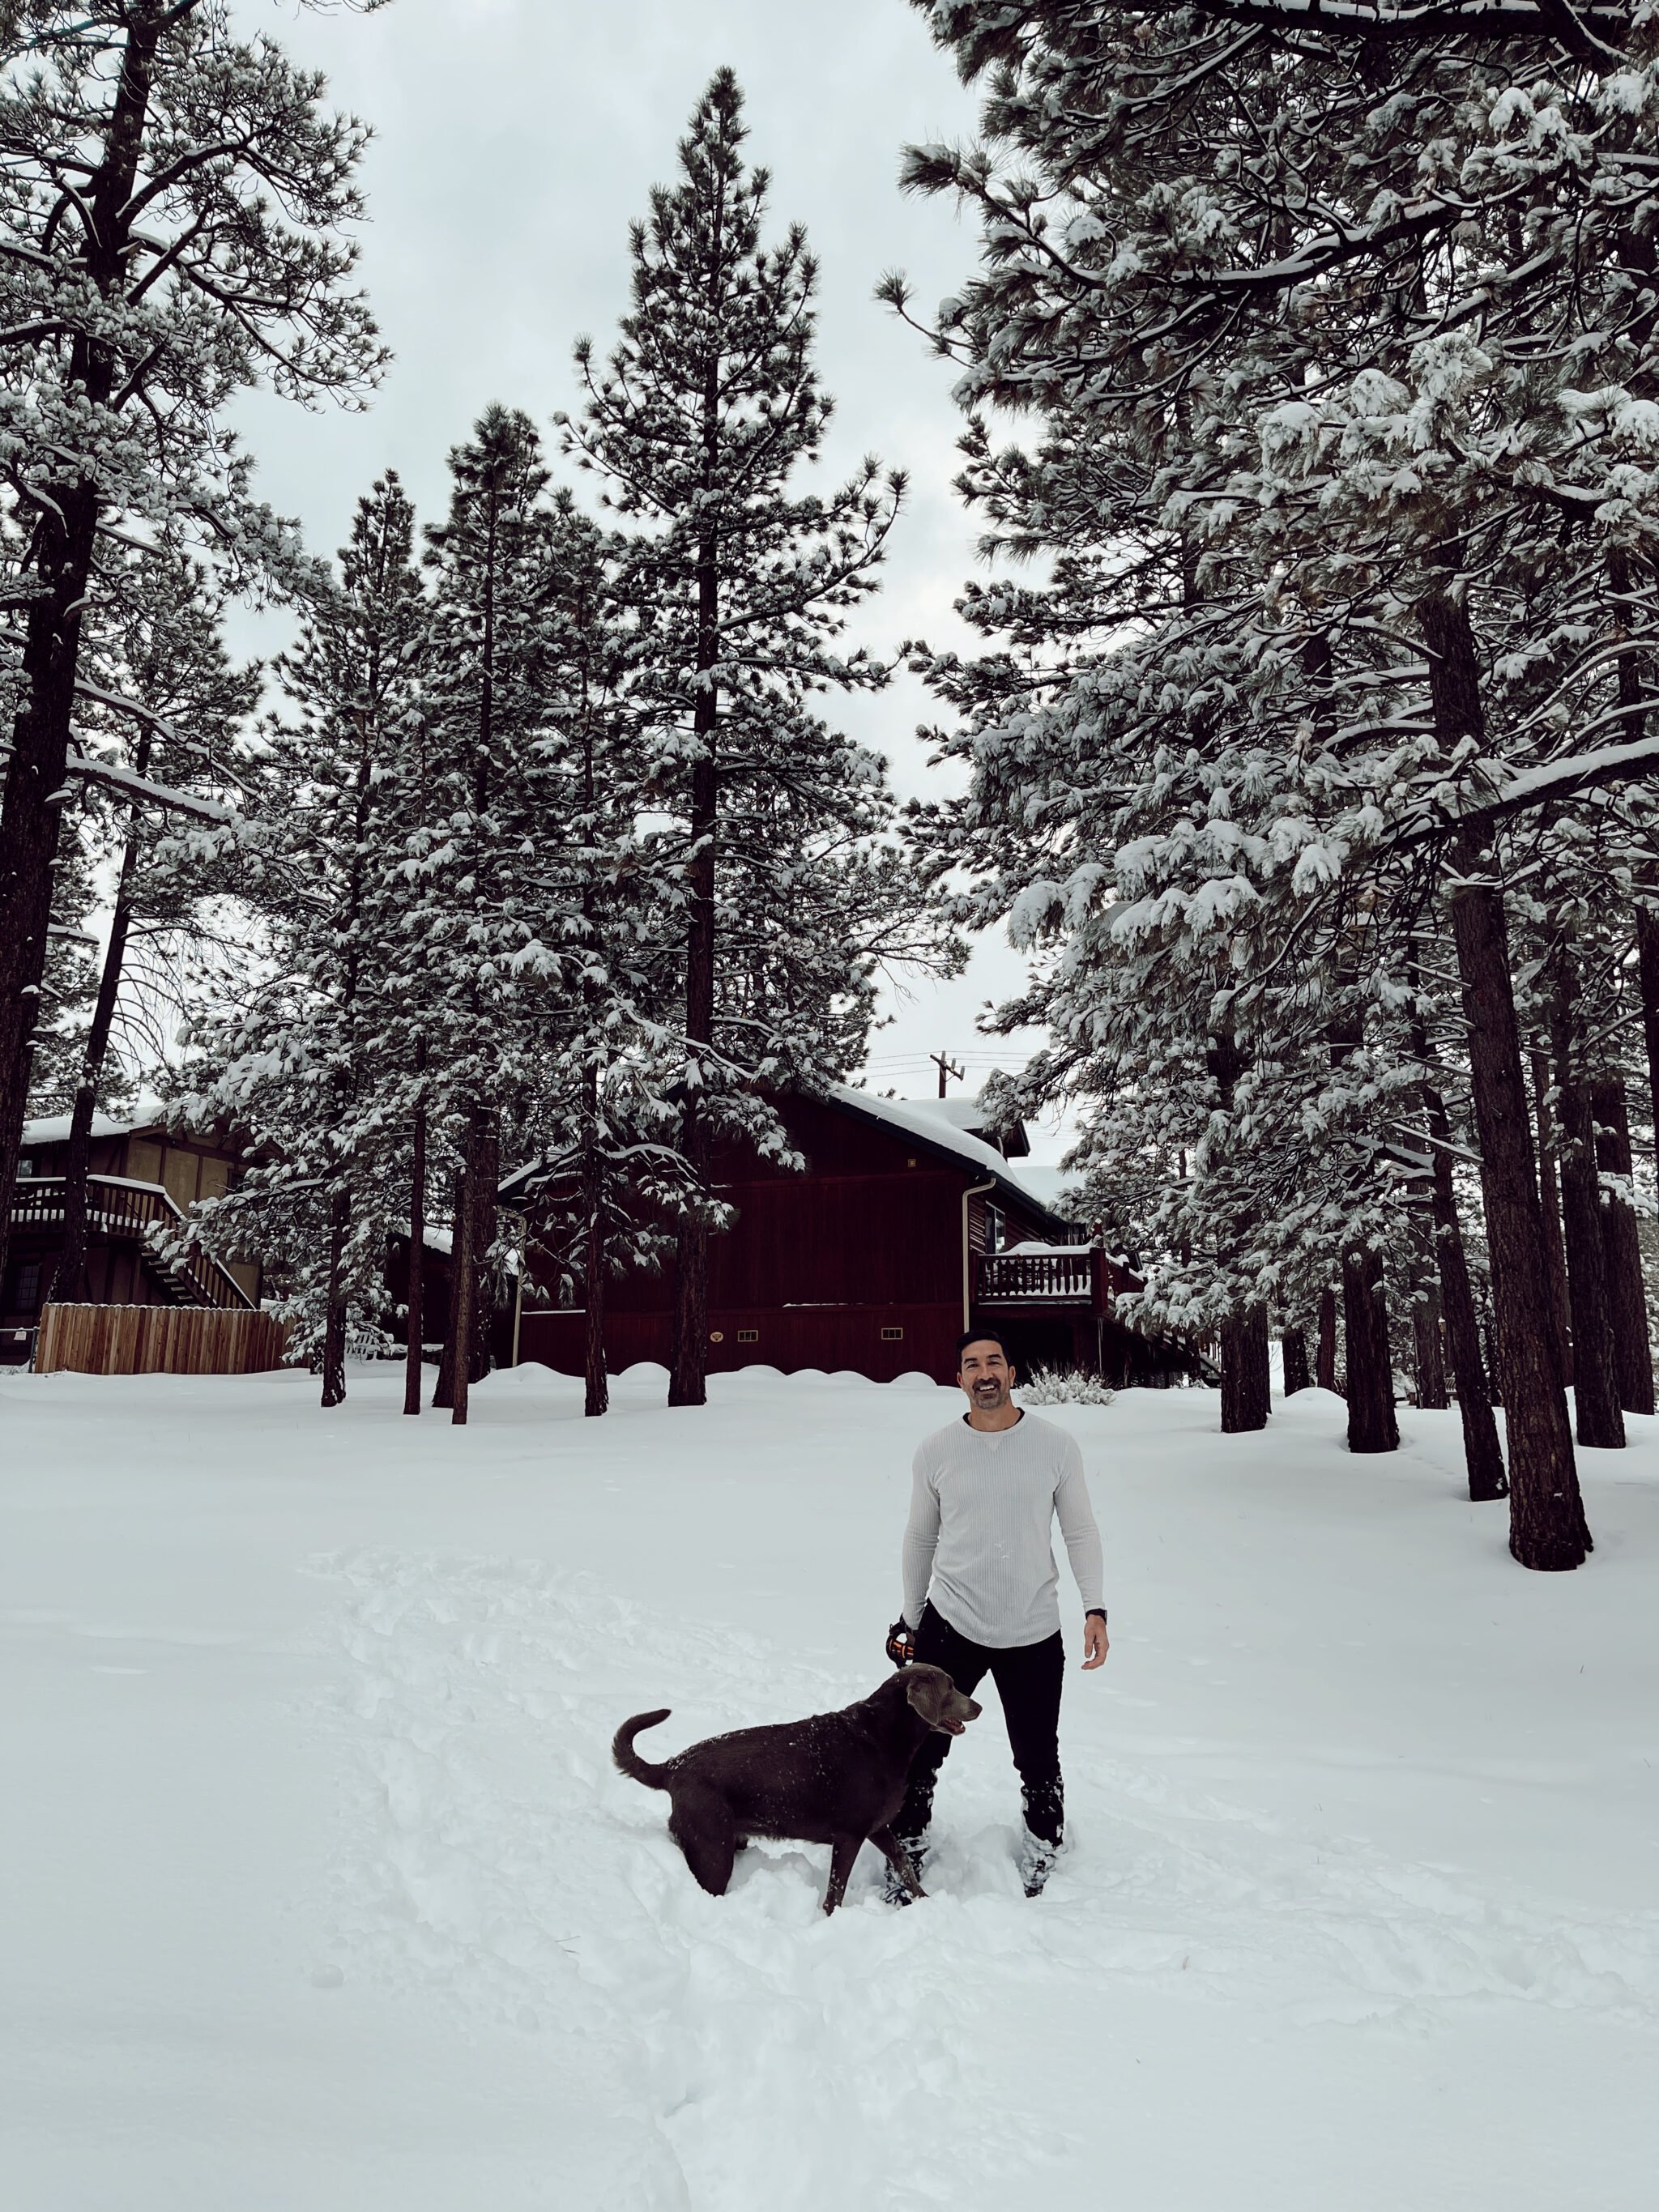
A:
(318, 1891)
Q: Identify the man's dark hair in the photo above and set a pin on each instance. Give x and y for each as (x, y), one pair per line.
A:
(982, 1336)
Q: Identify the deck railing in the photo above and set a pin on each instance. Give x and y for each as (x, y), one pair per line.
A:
(112, 1203)
(146, 1212)
(1055, 1278)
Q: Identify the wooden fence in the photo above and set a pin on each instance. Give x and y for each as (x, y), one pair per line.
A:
(156, 1341)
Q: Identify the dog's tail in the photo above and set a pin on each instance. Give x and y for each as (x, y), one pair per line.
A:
(628, 1759)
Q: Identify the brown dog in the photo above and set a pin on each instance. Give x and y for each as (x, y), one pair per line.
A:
(835, 1779)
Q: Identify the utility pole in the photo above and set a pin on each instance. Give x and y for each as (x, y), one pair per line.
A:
(946, 1068)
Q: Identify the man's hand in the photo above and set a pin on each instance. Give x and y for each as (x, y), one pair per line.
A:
(1095, 1644)
(901, 1643)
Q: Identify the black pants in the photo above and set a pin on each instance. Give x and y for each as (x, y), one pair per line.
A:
(1028, 1677)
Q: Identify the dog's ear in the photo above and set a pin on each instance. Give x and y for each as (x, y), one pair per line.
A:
(927, 1687)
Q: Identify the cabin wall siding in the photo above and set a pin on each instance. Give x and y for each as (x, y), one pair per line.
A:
(819, 1264)
(834, 1339)
(842, 1240)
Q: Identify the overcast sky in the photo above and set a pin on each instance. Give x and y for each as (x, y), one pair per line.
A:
(515, 140)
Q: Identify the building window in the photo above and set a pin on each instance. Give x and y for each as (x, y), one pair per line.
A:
(748, 1336)
(892, 1336)
(26, 1286)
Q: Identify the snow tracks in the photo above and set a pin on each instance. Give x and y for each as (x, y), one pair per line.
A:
(744, 2052)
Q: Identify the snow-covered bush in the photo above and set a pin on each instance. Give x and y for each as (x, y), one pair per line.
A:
(1065, 1385)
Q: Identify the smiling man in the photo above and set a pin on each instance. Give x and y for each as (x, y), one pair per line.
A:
(981, 1590)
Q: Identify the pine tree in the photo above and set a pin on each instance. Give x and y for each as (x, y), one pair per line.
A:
(167, 716)
(174, 199)
(696, 426)
(308, 1064)
(1372, 385)
(601, 1120)
(480, 929)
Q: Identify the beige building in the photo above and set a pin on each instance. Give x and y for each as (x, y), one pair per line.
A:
(143, 1181)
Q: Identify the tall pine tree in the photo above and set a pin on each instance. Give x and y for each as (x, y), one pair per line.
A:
(697, 424)
(479, 934)
(174, 199)
(308, 1064)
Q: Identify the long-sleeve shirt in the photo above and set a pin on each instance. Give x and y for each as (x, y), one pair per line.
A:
(982, 1502)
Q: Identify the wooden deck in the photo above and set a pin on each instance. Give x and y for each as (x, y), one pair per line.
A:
(147, 1214)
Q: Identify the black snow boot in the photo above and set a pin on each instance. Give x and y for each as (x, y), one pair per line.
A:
(1045, 1827)
(895, 1891)
(1036, 1861)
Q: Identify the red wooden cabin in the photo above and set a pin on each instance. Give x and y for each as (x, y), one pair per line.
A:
(909, 1221)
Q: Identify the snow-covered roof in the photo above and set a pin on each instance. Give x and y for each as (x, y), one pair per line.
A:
(918, 1118)
(970, 1115)
(54, 1128)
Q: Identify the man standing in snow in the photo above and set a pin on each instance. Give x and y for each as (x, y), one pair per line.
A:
(981, 1586)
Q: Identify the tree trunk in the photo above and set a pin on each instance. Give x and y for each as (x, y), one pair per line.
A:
(1647, 950)
(1326, 1354)
(1548, 1528)
(1632, 1357)
(1549, 1191)
(1295, 1344)
(597, 1382)
(70, 1277)
(687, 1380)
(1483, 1455)
(1631, 699)
(334, 1323)
(1431, 1357)
(443, 1396)
(65, 519)
(689, 1377)
(417, 1291)
(463, 1294)
(597, 1394)
(1371, 1424)
(1246, 1372)
(1596, 1390)
(483, 1179)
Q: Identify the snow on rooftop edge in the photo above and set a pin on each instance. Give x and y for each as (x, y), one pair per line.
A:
(148, 1113)
(961, 1112)
(917, 1119)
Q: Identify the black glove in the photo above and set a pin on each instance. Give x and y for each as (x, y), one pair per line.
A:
(901, 1642)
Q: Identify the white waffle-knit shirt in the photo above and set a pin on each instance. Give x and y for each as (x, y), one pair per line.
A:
(982, 1503)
